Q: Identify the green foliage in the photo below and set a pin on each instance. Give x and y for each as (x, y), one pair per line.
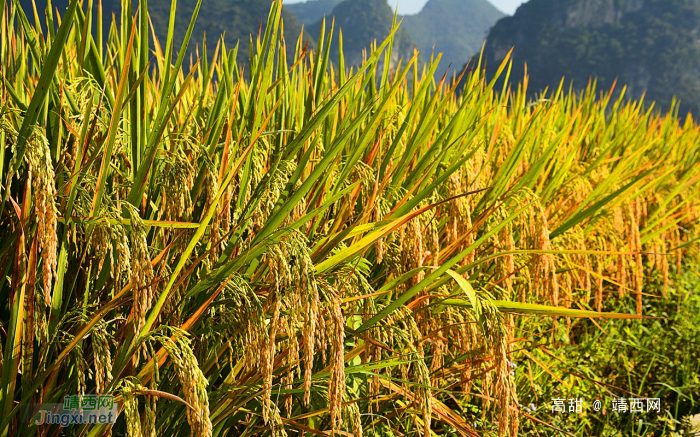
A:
(657, 358)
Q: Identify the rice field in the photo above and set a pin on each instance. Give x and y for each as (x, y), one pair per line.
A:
(293, 247)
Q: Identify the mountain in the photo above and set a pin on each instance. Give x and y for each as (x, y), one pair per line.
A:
(363, 21)
(455, 28)
(312, 10)
(237, 19)
(652, 46)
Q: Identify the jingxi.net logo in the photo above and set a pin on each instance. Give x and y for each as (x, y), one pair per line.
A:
(78, 410)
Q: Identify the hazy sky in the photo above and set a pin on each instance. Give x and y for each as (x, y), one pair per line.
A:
(413, 6)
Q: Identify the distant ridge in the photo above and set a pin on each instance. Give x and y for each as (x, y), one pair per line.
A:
(363, 21)
(237, 19)
(312, 10)
(651, 46)
(456, 28)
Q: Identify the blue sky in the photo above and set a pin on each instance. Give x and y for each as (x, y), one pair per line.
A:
(413, 6)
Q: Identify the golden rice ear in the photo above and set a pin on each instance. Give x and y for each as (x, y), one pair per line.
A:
(130, 389)
(291, 361)
(636, 246)
(221, 223)
(503, 388)
(513, 404)
(599, 282)
(354, 418)
(194, 383)
(268, 362)
(309, 334)
(423, 393)
(41, 176)
(142, 274)
(336, 382)
(131, 408)
(505, 265)
(290, 269)
(102, 357)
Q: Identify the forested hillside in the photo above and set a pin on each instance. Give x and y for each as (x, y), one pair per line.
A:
(652, 46)
(312, 10)
(455, 28)
(361, 22)
(236, 19)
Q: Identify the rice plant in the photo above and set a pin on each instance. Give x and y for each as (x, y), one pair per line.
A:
(304, 248)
